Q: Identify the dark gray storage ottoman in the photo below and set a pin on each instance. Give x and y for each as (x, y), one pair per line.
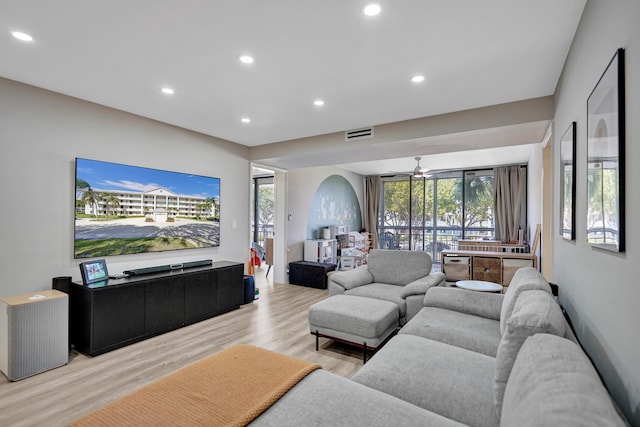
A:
(308, 273)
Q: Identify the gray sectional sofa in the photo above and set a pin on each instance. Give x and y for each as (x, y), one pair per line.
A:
(467, 358)
(476, 320)
(401, 277)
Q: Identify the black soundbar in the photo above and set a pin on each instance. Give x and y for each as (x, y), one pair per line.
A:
(167, 267)
(191, 264)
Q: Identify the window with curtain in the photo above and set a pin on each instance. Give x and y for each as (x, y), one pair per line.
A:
(432, 214)
(510, 191)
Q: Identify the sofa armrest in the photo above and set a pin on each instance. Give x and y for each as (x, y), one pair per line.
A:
(481, 304)
(349, 279)
(420, 286)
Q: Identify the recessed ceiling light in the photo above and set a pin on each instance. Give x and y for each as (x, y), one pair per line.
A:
(246, 59)
(372, 9)
(22, 36)
(168, 91)
(245, 120)
(417, 78)
(318, 102)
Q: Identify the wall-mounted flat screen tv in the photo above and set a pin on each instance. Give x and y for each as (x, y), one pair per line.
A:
(122, 209)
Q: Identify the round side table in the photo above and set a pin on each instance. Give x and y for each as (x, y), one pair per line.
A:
(479, 286)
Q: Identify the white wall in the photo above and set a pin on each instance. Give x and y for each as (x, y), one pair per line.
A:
(601, 290)
(302, 185)
(534, 193)
(42, 132)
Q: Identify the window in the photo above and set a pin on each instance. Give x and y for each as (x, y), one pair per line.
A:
(432, 214)
(263, 209)
(478, 205)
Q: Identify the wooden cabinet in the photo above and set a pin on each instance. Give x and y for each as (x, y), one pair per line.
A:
(115, 313)
(487, 269)
(511, 265)
(497, 267)
(456, 267)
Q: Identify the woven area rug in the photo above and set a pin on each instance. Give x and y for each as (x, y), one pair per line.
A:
(229, 388)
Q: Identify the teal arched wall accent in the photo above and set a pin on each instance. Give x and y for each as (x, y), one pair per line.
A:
(334, 203)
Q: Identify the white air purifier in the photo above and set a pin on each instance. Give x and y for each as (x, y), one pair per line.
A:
(34, 333)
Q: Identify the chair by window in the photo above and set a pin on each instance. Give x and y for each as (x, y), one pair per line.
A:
(389, 241)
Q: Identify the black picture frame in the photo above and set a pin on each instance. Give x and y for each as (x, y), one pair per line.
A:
(94, 271)
(568, 183)
(605, 159)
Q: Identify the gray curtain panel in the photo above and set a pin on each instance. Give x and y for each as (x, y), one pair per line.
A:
(509, 183)
(372, 196)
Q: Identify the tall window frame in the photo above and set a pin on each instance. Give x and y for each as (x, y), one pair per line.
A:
(262, 223)
(429, 225)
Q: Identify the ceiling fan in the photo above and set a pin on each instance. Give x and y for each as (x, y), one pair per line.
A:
(417, 172)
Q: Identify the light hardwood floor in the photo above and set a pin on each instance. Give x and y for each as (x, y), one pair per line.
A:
(277, 321)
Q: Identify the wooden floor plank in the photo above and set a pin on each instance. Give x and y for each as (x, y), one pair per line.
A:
(277, 321)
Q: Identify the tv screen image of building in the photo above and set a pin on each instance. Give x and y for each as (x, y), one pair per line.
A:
(123, 209)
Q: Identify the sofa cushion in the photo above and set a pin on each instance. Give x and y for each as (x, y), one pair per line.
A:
(553, 383)
(534, 312)
(525, 279)
(398, 267)
(381, 291)
(441, 378)
(484, 304)
(323, 399)
(420, 286)
(452, 327)
(350, 279)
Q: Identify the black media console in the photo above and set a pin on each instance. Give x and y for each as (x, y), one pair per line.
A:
(108, 315)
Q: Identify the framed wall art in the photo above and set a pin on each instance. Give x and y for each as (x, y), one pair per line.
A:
(568, 183)
(605, 158)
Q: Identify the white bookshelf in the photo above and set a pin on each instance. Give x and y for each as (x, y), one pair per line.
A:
(321, 250)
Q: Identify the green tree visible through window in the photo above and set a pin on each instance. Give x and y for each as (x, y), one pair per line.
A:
(478, 201)
(396, 204)
(263, 210)
(265, 204)
(408, 210)
(450, 201)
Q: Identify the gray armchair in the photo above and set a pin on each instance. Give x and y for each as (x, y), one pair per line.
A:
(402, 277)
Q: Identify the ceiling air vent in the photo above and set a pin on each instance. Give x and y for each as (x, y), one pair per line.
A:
(358, 134)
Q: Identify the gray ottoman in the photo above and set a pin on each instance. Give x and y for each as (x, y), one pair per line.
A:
(361, 321)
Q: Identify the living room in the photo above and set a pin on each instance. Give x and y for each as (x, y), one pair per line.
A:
(42, 132)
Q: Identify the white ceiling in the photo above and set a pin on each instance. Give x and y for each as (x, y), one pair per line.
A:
(120, 53)
(451, 160)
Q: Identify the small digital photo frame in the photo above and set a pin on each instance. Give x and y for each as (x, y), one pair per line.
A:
(94, 271)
